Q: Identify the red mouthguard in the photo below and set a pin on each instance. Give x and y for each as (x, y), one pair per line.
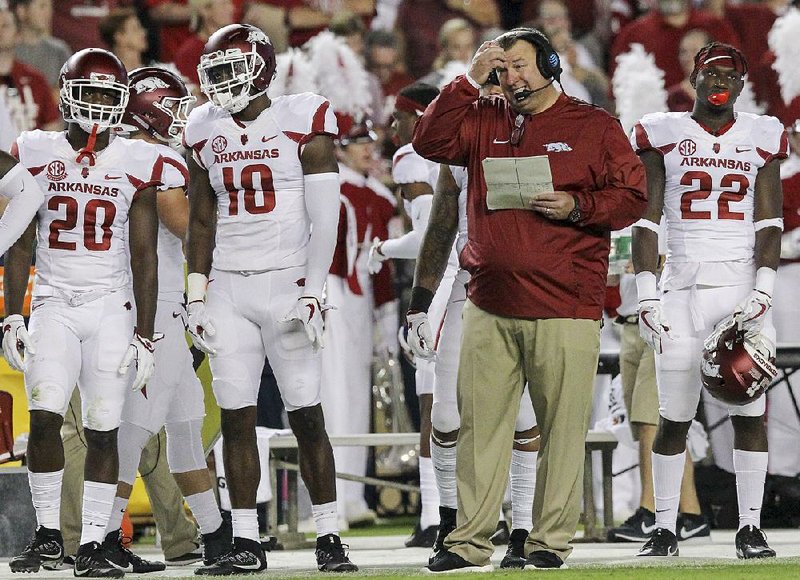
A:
(719, 98)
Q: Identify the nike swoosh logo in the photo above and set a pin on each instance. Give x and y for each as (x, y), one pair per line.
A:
(255, 566)
(110, 177)
(690, 533)
(312, 309)
(662, 511)
(35, 306)
(128, 568)
(648, 529)
(743, 149)
(176, 314)
(500, 142)
(754, 509)
(672, 551)
(265, 139)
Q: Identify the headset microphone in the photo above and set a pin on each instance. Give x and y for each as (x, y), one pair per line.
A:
(522, 95)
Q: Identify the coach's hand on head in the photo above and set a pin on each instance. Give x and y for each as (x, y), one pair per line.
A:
(488, 57)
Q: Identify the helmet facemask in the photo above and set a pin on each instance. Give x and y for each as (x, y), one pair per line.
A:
(77, 106)
(177, 108)
(226, 78)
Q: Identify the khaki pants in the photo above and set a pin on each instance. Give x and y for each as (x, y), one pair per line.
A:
(558, 359)
(637, 365)
(178, 532)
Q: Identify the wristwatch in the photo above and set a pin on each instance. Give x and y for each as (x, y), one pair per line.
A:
(575, 215)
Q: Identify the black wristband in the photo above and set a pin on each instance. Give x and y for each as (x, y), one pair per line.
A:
(421, 299)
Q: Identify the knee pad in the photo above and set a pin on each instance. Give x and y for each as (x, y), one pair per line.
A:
(100, 414)
(185, 446)
(48, 397)
(130, 442)
(445, 417)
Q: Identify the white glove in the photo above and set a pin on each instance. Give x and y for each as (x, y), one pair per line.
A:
(308, 310)
(652, 324)
(751, 312)
(376, 258)
(15, 340)
(420, 336)
(140, 350)
(200, 326)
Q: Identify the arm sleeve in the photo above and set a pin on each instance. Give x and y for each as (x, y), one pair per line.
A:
(26, 198)
(438, 135)
(621, 197)
(407, 246)
(322, 205)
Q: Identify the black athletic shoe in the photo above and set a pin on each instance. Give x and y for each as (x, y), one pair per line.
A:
(693, 527)
(446, 561)
(45, 550)
(661, 543)
(544, 560)
(447, 523)
(119, 556)
(191, 557)
(422, 538)
(217, 543)
(515, 555)
(92, 561)
(751, 542)
(246, 557)
(501, 534)
(637, 528)
(332, 555)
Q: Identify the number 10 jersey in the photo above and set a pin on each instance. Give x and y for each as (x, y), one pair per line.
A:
(256, 174)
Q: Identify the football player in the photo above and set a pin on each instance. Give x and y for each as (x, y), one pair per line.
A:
(21, 196)
(416, 178)
(157, 113)
(83, 328)
(264, 210)
(714, 175)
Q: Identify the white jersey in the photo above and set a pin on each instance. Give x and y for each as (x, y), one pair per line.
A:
(173, 175)
(709, 193)
(81, 224)
(410, 167)
(460, 177)
(255, 172)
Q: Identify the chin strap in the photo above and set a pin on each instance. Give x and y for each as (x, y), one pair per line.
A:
(88, 151)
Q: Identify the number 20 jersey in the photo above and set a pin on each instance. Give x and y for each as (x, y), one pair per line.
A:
(710, 180)
(256, 174)
(81, 242)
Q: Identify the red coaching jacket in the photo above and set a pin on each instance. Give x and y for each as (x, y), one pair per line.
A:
(524, 265)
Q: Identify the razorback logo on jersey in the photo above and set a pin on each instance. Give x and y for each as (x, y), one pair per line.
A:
(56, 171)
(91, 188)
(149, 84)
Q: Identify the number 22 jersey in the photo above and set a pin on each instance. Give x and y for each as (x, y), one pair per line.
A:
(709, 194)
(255, 171)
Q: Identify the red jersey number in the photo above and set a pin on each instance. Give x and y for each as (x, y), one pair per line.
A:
(90, 223)
(257, 200)
(705, 185)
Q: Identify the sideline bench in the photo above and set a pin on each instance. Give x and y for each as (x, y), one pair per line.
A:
(284, 452)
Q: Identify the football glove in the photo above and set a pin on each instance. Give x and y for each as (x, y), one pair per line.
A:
(308, 310)
(751, 312)
(200, 326)
(16, 340)
(376, 258)
(420, 336)
(140, 350)
(652, 324)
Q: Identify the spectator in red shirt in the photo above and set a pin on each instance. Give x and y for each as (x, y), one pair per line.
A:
(751, 22)
(538, 285)
(680, 97)
(660, 32)
(208, 16)
(25, 90)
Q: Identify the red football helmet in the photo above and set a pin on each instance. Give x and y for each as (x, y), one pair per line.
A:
(159, 103)
(93, 89)
(737, 369)
(237, 65)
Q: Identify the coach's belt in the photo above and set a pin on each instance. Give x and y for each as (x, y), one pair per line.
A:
(632, 319)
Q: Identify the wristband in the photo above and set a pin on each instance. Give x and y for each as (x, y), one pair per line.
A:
(196, 284)
(646, 286)
(421, 299)
(765, 280)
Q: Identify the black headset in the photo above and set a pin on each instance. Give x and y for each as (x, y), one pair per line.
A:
(547, 59)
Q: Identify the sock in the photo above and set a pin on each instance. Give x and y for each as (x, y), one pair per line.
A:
(751, 471)
(245, 524)
(117, 513)
(98, 501)
(205, 511)
(325, 518)
(523, 484)
(444, 468)
(667, 476)
(46, 494)
(429, 494)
